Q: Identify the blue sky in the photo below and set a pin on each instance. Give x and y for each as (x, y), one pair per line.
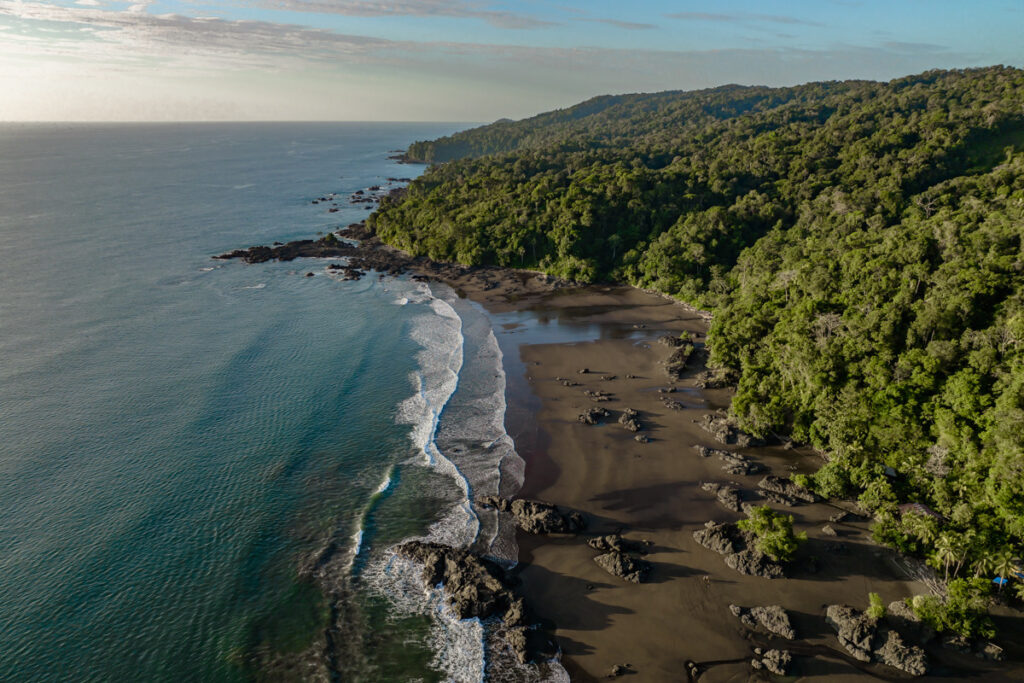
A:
(457, 60)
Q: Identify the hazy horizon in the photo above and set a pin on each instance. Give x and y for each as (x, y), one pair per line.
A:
(451, 60)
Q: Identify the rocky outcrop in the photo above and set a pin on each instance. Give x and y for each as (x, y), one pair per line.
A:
(754, 563)
(593, 416)
(598, 396)
(616, 543)
(777, 661)
(675, 365)
(630, 420)
(725, 431)
(787, 488)
(739, 550)
(536, 517)
(772, 619)
(476, 587)
(856, 630)
(729, 496)
(863, 638)
(895, 653)
(624, 566)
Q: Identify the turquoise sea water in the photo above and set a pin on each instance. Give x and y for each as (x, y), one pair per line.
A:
(198, 458)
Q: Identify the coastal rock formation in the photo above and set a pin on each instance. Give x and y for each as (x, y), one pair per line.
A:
(738, 547)
(624, 566)
(734, 463)
(725, 431)
(772, 618)
(476, 587)
(787, 488)
(754, 563)
(675, 365)
(616, 543)
(629, 420)
(777, 661)
(729, 496)
(856, 630)
(862, 637)
(598, 396)
(535, 517)
(593, 416)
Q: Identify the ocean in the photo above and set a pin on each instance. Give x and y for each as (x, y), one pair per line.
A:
(203, 463)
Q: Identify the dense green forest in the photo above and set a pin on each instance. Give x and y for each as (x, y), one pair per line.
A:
(860, 246)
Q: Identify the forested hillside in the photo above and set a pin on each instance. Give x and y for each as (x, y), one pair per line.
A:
(859, 243)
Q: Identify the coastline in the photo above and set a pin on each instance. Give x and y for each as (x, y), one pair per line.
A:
(677, 625)
(652, 492)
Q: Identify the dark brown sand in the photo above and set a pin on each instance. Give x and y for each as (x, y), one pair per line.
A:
(652, 492)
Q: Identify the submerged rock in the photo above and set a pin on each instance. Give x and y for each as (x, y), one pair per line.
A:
(474, 586)
(536, 517)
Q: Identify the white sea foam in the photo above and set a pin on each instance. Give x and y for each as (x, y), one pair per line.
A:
(259, 286)
(457, 415)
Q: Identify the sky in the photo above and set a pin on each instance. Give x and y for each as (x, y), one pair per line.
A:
(457, 60)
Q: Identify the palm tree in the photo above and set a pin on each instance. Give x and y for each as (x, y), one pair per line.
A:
(945, 552)
(984, 565)
(1004, 566)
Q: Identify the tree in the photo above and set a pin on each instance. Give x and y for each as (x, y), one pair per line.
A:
(876, 608)
(773, 533)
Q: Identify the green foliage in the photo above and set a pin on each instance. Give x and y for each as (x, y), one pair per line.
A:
(876, 608)
(861, 246)
(963, 610)
(774, 533)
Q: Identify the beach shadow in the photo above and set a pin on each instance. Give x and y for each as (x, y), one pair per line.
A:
(663, 572)
(575, 607)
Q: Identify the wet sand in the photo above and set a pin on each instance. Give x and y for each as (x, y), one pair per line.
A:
(651, 492)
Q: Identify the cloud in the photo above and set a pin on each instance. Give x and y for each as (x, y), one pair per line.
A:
(743, 18)
(628, 25)
(417, 8)
(88, 3)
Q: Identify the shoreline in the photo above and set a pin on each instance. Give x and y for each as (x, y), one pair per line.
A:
(651, 492)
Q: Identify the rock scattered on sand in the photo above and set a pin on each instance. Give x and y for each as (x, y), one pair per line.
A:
(583, 371)
(616, 543)
(672, 405)
(642, 438)
(725, 431)
(863, 638)
(535, 517)
(593, 416)
(629, 420)
(754, 563)
(476, 587)
(624, 566)
(788, 488)
(729, 496)
(598, 396)
(829, 530)
(675, 365)
(772, 618)
(777, 661)
(741, 553)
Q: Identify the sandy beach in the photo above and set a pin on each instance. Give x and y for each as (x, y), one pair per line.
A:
(651, 492)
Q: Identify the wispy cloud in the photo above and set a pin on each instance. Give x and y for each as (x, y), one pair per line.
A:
(617, 23)
(416, 8)
(743, 18)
